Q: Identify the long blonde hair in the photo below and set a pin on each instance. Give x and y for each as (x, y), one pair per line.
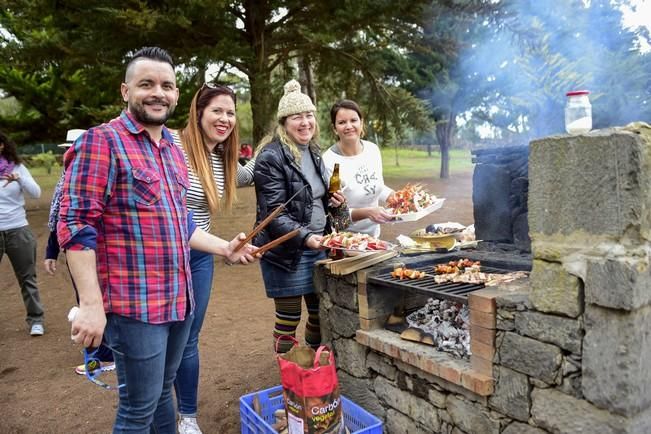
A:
(199, 155)
(280, 133)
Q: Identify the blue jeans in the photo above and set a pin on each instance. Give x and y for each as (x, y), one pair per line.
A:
(147, 357)
(187, 377)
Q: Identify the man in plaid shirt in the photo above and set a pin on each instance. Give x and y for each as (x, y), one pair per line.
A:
(127, 232)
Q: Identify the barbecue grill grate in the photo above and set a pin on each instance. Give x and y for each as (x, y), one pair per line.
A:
(451, 291)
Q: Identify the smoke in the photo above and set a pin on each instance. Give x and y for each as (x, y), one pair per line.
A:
(513, 73)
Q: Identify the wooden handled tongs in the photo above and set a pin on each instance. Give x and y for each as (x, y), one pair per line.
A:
(264, 223)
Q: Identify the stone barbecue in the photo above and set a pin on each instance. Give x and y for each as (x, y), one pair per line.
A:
(566, 351)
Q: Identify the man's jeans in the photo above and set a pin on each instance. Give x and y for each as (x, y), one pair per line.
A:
(147, 357)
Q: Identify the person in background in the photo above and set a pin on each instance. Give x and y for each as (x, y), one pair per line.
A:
(16, 238)
(360, 169)
(246, 153)
(210, 141)
(52, 250)
(127, 233)
(289, 163)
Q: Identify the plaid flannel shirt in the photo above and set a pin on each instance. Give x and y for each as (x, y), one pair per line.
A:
(124, 196)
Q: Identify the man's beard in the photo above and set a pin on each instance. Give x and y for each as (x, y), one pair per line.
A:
(140, 113)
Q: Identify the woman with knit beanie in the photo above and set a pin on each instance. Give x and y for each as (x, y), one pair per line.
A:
(289, 165)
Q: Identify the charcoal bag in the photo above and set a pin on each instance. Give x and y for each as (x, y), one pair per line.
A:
(311, 390)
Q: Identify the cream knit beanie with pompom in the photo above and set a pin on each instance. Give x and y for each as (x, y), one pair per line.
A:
(293, 101)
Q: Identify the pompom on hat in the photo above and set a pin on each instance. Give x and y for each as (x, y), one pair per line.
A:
(294, 101)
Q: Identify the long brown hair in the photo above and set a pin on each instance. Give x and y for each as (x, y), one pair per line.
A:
(198, 153)
(9, 151)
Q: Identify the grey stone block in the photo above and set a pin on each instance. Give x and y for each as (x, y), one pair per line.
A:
(342, 290)
(361, 392)
(420, 410)
(554, 290)
(398, 423)
(381, 365)
(563, 414)
(563, 332)
(620, 284)
(471, 417)
(521, 428)
(511, 395)
(351, 357)
(569, 175)
(531, 357)
(616, 354)
(344, 322)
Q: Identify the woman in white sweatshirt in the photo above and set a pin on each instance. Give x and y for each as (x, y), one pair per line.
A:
(360, 169)
(16, 239)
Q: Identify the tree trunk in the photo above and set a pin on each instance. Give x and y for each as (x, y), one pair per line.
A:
(444, 130)
(258, 69)
(261, 107)
(307, 78)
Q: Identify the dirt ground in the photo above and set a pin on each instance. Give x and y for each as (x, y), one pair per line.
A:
(42, 394)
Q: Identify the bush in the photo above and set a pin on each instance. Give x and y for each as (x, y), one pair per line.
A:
(44, 159)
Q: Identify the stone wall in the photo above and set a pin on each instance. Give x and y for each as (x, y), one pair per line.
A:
(571, 348)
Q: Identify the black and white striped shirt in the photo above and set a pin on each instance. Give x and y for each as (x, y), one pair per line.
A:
(196, 197)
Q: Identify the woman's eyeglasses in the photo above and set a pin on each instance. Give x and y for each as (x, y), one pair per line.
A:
(220, 87)
(93, 368)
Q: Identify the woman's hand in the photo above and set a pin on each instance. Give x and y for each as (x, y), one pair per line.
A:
(50, 266)
(313, 242)
(379, 215)
(11, 178)
(243, 256)
(337, 199)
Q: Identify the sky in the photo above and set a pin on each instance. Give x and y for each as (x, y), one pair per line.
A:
(638, 14)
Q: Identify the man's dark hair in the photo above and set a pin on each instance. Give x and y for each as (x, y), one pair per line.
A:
(152, 53)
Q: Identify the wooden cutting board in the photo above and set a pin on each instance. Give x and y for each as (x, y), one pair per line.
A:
(351, 264)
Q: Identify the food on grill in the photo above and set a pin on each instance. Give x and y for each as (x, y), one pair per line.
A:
(353, 241)
(474, 275)
(411, 198)
(443, 323)
(456, 267)
(406, 273)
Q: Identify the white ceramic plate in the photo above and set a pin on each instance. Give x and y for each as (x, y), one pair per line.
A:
(414, 216)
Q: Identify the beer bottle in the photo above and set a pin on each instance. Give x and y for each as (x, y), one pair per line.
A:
(335, 184)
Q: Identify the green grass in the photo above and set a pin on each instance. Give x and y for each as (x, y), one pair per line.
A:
(42, 178)
(416, 163)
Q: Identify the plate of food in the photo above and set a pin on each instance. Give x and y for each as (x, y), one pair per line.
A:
(412, 203)
(355, 243)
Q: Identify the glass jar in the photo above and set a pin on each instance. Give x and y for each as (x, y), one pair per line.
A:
(578, 112)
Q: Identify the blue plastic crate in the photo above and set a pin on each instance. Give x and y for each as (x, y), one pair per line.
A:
(357, 420)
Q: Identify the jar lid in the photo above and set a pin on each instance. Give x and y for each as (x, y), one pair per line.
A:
(577, 92)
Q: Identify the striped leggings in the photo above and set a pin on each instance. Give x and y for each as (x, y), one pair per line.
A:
(288, 315)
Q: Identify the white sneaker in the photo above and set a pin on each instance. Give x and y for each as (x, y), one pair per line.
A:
(188, 425)
(37, 330)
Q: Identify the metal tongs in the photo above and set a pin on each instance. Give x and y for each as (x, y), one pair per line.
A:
(264, 223)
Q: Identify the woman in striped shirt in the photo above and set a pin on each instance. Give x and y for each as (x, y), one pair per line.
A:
(210, 141)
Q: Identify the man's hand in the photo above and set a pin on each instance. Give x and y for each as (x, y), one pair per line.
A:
(88, 325)
(50, 266)
(243, 256)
